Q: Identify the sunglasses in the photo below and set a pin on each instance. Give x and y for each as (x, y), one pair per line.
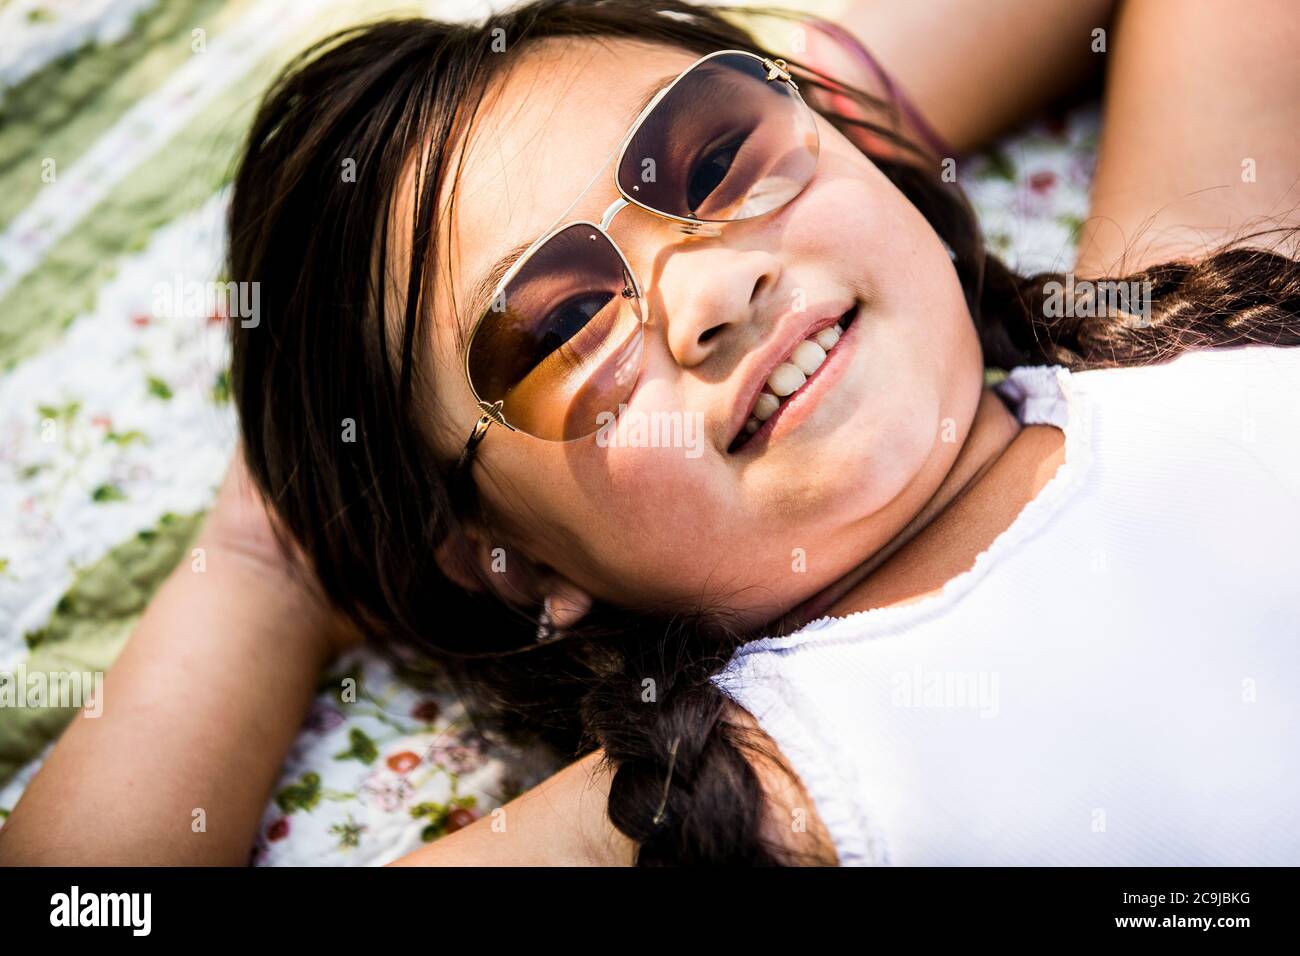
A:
(559, 348)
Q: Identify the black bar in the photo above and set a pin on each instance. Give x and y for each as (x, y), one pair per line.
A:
(339, 906)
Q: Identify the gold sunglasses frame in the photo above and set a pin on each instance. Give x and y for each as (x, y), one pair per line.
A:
(492, 411)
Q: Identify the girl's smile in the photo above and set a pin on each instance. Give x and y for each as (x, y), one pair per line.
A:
(776, 408)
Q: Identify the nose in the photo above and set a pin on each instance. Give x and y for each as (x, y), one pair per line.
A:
(707, 293)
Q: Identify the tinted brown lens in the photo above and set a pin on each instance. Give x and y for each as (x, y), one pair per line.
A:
(560, 347)
(724, 143)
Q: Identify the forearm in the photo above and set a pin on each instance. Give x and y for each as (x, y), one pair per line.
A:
(975, 68)
(1200, 142)
(198, 713)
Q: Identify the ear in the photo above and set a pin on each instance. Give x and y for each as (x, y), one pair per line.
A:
(471, 561)
(457, 559)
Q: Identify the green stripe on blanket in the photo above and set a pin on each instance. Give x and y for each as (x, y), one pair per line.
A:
(64, 107)
(185, 173)
(88, 628)
(197, 162)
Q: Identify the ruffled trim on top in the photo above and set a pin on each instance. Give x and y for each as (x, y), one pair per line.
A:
(1037, 394)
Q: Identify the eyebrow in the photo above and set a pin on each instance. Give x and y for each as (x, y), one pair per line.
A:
(492, 276)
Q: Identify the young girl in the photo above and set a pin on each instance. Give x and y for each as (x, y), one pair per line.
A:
(877, 610)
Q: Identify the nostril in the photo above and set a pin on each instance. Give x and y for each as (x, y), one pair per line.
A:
(709, 333)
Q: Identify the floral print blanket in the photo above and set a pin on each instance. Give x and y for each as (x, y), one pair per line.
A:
(119, 122)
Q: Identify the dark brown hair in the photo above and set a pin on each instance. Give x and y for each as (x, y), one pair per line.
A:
(370, 513)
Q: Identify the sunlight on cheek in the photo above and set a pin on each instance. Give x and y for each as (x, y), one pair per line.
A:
(655, 422)
(667, 482)
(655, 468)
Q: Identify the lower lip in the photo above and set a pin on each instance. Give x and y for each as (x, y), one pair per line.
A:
(799, 406)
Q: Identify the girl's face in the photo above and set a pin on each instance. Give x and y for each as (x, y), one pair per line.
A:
(848, 460)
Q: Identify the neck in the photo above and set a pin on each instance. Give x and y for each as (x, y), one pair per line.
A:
(990, 434)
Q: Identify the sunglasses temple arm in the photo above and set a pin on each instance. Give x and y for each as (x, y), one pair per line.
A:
(471, 446)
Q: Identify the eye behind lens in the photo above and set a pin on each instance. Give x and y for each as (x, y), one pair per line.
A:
(567, 320)
(719, 135)
(709, 173)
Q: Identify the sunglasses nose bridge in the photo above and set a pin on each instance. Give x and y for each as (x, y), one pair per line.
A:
(706, 229)
(702, 229)
(614, 208)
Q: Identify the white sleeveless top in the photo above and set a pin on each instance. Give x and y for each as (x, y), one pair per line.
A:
(1115, 681)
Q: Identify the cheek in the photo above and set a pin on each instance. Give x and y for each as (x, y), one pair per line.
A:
(660, 473)
(853, 224)
(635, 496)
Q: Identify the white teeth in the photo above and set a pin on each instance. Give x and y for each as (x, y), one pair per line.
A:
(807, 356)
(785, 379)
(766, 406)
(788, 377)
(827, 337)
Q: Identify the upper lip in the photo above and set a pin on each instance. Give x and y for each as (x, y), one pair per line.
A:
(791, 329)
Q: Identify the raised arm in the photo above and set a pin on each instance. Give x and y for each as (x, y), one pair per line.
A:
(1201, 141)
(198, 712)
(975, 68)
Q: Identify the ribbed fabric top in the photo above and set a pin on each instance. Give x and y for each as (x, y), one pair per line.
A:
(1115, 681)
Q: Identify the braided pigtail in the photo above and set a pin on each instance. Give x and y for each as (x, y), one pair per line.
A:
(689, 787)
(1236, 296)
